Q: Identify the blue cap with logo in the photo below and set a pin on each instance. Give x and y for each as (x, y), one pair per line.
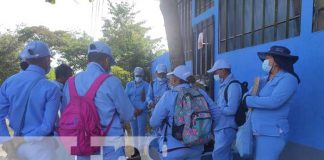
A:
(101, 47)
(35, 49)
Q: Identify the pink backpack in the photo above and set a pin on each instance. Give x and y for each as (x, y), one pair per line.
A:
(80, 119)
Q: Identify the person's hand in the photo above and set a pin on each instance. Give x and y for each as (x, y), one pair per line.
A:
(17, 141)
(11, 147)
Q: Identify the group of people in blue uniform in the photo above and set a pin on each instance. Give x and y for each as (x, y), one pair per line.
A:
(31, 104)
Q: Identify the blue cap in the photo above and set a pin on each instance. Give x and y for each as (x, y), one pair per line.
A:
(101, 47)
(35, 49)
(182, 72)
(138, 71)
(22, 55)
(220, 64)
(161, 68)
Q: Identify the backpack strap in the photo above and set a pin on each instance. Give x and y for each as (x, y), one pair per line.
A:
(91, 93)
(109, 125)
(151, 84)
(226, 89)
(72, 89)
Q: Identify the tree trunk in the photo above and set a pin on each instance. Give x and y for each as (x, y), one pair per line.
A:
(169, 11)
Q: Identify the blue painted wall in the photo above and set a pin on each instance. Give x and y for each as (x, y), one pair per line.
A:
(307, 113)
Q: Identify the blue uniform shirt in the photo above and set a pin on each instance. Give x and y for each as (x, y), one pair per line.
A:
(42, 106)
(155, 93)
(165, 109)
(134, 92)
(271, 107)
(110, 98)
(228, 110)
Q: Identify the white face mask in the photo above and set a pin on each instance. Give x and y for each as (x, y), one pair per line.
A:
(138, 79)
(266, 66)
(216, 78)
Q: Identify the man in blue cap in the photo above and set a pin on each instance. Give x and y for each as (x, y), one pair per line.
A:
(109, 99)
(136, 91)
(225, 131)
(30, 102)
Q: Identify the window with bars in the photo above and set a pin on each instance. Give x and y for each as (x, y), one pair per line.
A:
(244, 23)
(318, 18)
(185, 11)
(204, 57)
(203, 5)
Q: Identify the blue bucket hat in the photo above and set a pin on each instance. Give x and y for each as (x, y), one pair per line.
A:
(35, 49)
(279, 51)
(101, 47)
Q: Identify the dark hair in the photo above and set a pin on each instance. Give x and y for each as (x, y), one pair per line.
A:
(36, 61)
(191, 79)
(63, 71)
(23, 65)
(228, 70)
(286, 64)
(97, 57)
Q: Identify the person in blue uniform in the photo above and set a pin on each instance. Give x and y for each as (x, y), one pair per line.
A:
(110, 97)
(30, 102)
(156, 89)
(158, 86)
(225, 130)
(164, 111)
(271, 106)
(136, 90)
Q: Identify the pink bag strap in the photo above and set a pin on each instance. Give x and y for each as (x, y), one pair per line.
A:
(72, 89)
(91, 93)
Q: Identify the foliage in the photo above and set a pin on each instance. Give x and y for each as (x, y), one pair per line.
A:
(9, 47)
(127, 38)
(74, 47)
(122, 74)
(51, 74)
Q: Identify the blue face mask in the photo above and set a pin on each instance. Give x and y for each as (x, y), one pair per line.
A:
(138, 79)
(216, 78)
(266, 66)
